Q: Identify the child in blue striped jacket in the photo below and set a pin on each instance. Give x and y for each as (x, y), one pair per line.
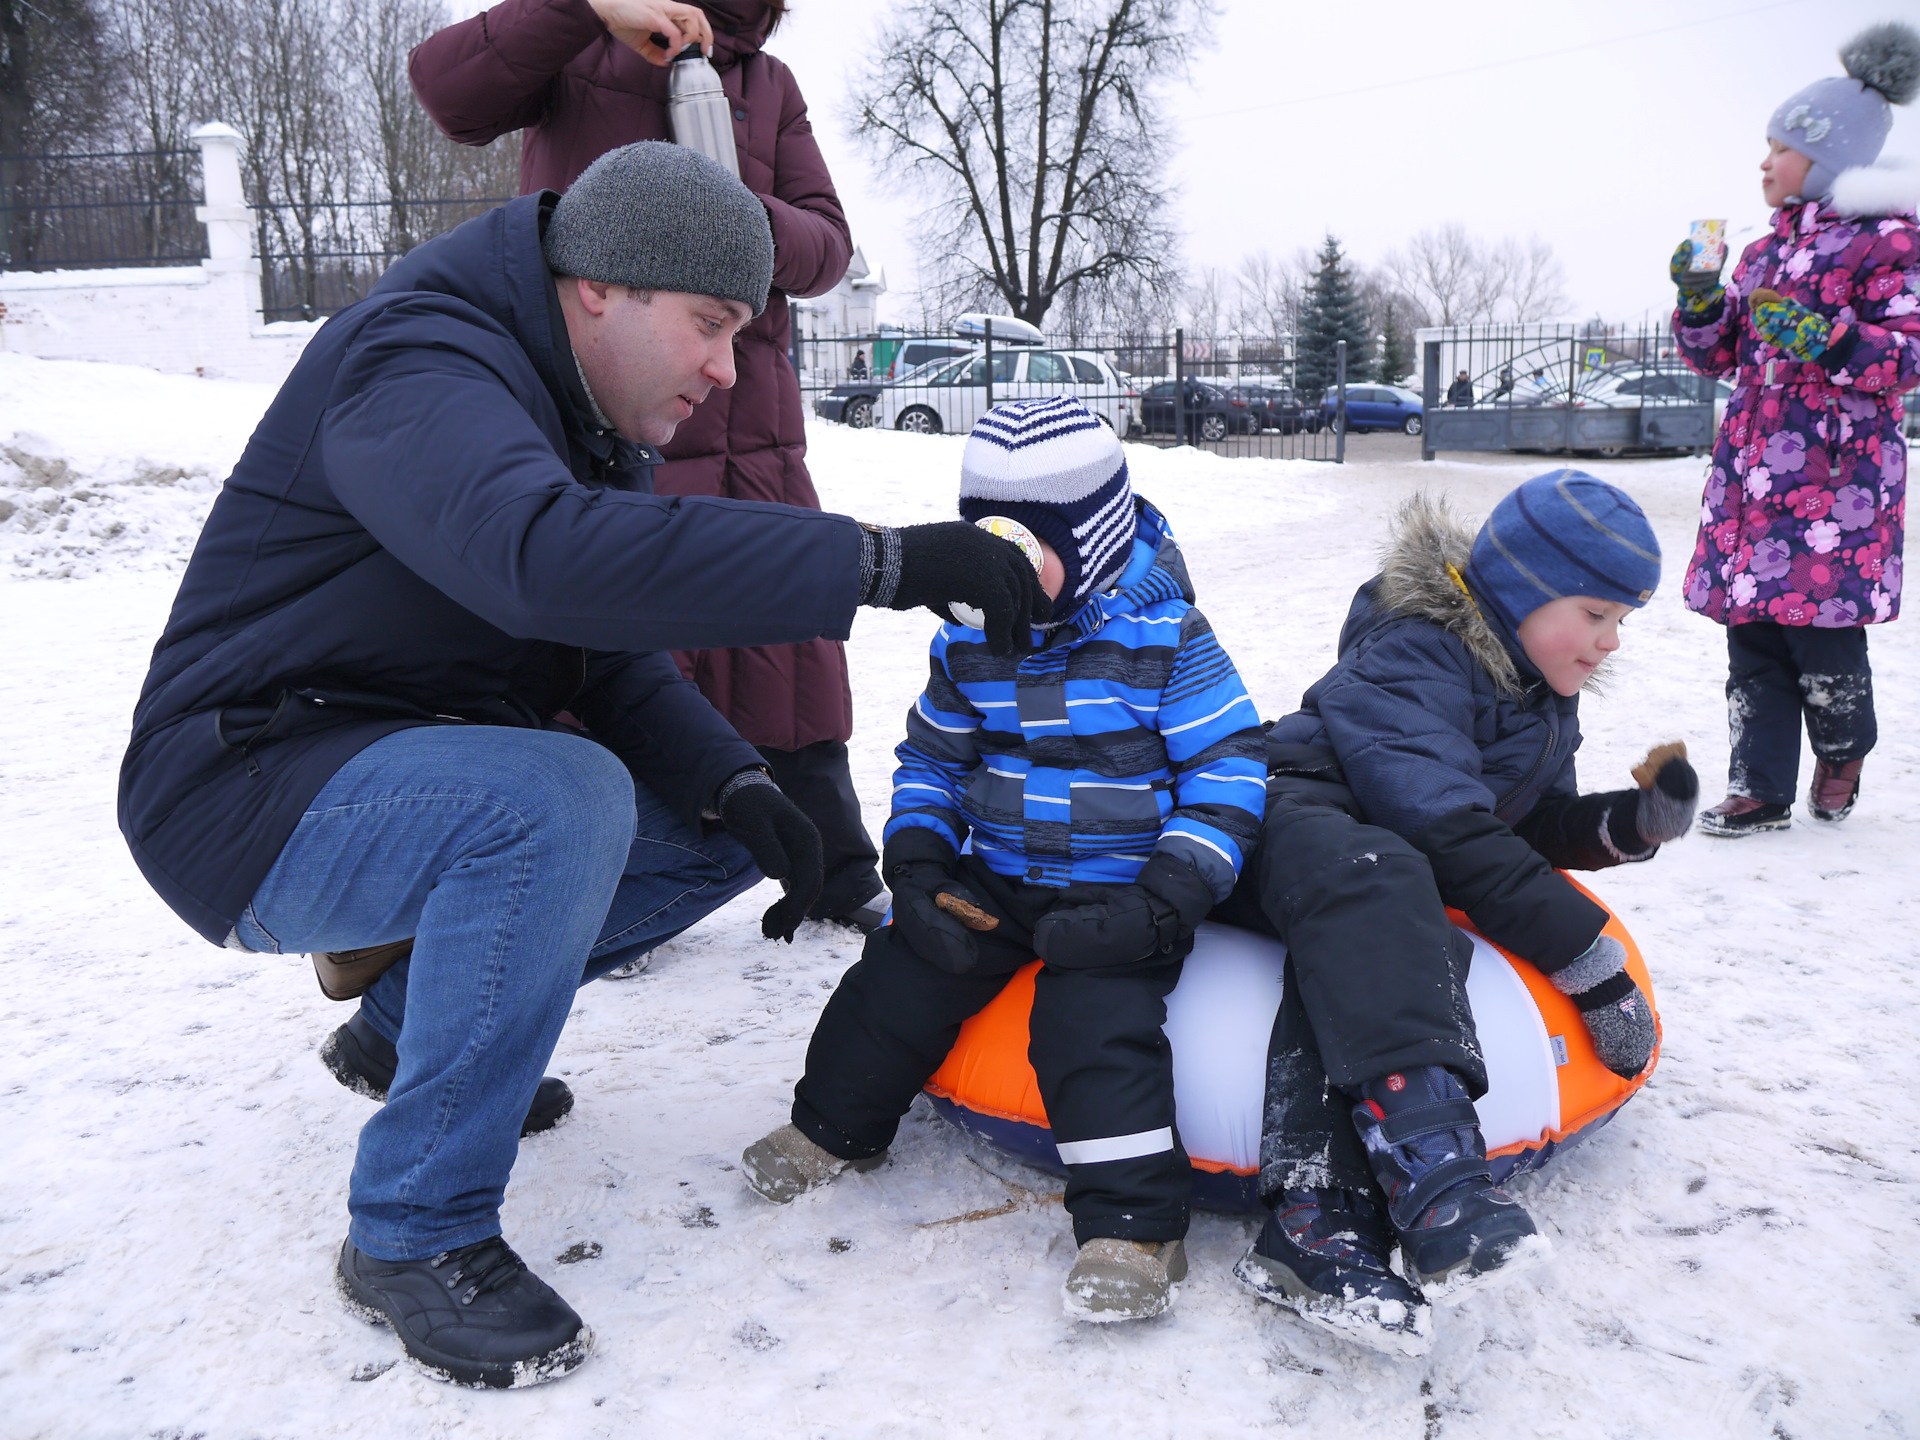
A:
(1112, 783)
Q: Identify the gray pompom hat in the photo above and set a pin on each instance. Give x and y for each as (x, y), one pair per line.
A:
(1841, 123)
(658, 216)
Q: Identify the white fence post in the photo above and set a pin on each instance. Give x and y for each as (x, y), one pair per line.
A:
(228, 221)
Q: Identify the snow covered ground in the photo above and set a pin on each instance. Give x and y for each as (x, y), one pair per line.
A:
(1735, 1255)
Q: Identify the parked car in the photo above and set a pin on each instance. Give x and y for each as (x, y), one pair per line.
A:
(1212, 414)
(949, 398)
(912, 354)
(1376, 407)
(1276, 407)
(851, 402)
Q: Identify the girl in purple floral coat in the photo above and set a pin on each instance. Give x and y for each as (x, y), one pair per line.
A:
(1800, 535)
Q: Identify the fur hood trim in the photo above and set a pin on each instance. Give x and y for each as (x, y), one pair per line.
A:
(1426, 537)
(1889, 188)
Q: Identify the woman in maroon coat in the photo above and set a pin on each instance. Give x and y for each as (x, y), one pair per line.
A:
(578, 78)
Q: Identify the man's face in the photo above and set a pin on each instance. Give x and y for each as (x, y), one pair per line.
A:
(650, 357)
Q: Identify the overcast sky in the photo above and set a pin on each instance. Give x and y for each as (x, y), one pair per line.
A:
(1603, 128)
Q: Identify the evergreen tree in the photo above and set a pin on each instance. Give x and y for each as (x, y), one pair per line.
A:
(1396, 345)
(1332, 311)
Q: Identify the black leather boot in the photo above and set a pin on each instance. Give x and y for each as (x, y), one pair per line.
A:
(363, 1060)
(473, 1316)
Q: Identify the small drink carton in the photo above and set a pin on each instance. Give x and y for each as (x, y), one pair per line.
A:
(1709, 239)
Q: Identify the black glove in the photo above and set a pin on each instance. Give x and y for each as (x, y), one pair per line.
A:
(1154, 918)
(919, 865)
(783, 843)
(952, 560)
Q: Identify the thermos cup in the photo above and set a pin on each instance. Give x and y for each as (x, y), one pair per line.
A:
(698, 109)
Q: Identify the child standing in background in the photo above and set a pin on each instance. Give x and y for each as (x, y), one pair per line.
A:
(1801, 532)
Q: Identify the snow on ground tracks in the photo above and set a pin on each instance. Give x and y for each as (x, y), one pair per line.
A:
(1734, 1256)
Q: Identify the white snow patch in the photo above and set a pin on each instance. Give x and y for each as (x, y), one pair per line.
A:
(111, 466)
(1733, 1255)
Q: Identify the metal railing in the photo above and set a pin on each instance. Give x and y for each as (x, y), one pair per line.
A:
(315, 260)
(1234, 397)
(100, 210)
(1554, 389)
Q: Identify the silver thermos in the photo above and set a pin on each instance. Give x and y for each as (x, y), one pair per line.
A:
(699, 110)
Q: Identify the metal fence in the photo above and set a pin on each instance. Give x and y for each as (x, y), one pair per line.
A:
(316, 260)
(1584, 390)
(98, 211)
(1235, 396)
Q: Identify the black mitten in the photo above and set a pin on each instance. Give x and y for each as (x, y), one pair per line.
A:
(935, 565)
(783, 843)
(921, 866)
(1091, 926)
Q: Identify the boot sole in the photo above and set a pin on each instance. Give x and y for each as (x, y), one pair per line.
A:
(522, 1374)
(1707, 827)
(1099, 1309)
(1463, 1281)
(1349, 1320)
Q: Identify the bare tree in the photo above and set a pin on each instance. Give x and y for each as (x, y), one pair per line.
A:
(57, 97)
(1451, 277)
(405, 159)
(1034, 127)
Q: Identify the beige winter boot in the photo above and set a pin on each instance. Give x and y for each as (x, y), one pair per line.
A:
(1124, 1279)
(786, 1164)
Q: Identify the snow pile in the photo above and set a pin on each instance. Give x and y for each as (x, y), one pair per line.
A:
(111, 466)
(1733, 1256)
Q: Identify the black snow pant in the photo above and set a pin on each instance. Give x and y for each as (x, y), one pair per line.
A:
(1104, 1065)
(1375, 977)
(818, 779)
(1779, 675)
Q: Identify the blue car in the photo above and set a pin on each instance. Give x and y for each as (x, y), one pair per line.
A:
(1376, 407)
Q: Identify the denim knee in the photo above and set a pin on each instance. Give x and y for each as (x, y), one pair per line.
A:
(578, 788)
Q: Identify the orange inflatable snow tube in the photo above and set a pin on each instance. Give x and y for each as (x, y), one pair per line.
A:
(1547, 1088)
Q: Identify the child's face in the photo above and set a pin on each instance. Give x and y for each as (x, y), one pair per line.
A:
(1566, 639)
(1782, 172)
(1052, 573)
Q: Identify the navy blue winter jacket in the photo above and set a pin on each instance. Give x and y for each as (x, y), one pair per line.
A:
(1447, 736)
(427, 528)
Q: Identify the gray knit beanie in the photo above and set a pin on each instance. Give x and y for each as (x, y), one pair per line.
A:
(1841, 123)
(658, 216)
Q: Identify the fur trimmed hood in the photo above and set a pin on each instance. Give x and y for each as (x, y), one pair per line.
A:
(1891, 187)
(1425, 538)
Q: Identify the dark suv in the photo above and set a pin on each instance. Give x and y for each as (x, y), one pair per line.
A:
(1276, 407)
(1212, 414)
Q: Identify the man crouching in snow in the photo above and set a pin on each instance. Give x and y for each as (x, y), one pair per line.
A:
(440, 538)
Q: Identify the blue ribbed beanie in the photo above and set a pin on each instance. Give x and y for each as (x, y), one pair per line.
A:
(1056, 468)
(1563, 533)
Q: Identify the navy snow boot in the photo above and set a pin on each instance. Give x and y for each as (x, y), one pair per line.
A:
(1324, 1255)
(1457, 1229)
(364, 1060)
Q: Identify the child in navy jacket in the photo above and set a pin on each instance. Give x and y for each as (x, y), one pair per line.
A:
(1433, 765)
(1111, 784)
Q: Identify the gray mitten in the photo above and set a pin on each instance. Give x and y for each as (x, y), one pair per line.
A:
(1669, 794)
(1619, 1019)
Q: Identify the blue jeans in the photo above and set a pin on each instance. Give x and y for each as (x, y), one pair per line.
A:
(523, 863)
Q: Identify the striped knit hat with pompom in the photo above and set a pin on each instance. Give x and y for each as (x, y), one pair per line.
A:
(1054, 467)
